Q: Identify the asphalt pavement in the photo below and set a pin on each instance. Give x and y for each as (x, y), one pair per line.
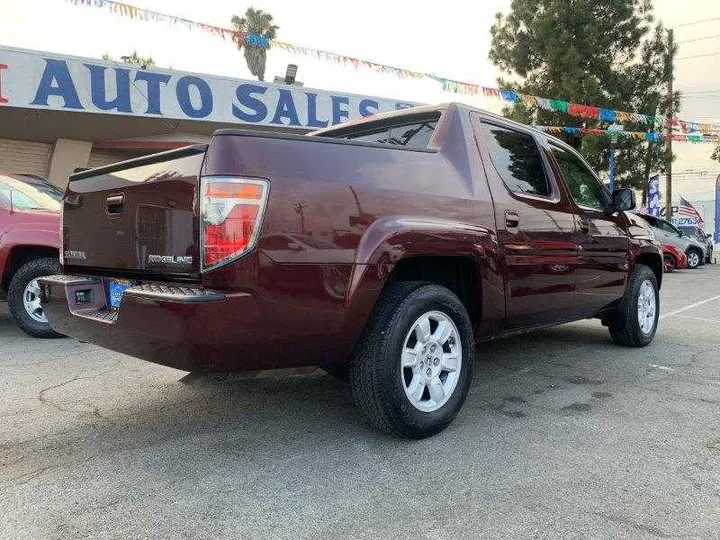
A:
(563, 435)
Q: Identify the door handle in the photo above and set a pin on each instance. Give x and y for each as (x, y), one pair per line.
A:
(114, 204)
(511, 219)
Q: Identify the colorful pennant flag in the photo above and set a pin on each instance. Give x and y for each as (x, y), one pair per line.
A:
(650, 136)
(692, 129)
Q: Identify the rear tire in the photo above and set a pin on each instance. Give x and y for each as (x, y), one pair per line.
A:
(412, 367)
(634, 322)
(23, 297)
(694, 258)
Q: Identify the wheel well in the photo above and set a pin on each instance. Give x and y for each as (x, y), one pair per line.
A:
(459, 274)
(655, 263)
(21, 255)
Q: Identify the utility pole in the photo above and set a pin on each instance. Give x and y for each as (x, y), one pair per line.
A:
(671, 117)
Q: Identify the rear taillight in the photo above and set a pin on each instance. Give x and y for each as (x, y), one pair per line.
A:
(231, 210)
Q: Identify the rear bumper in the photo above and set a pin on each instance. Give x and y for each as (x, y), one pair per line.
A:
(179, 326)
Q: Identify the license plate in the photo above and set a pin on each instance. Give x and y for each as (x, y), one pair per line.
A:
(116, 288)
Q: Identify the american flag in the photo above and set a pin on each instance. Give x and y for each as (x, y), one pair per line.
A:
(688, 210)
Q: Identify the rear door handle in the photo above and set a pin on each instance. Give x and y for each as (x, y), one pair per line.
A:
(511, 219)
(114, 204)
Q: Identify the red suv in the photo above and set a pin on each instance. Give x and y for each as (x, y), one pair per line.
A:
(29, 244)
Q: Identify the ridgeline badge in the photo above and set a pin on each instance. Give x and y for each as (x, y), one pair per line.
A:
(170, 259)
(70, 254)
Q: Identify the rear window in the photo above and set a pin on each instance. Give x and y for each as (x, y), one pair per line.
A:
(516, 157)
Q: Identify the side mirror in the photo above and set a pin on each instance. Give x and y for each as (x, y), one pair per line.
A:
(623, 199)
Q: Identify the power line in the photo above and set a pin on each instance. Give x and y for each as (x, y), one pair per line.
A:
(699, 56)
(699, 39)
(706, 91)
(696, 22)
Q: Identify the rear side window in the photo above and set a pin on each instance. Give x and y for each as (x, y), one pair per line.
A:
(413, 135)
(416, 135)
(517, 159)
(380, 137)
(668, 227)
(651, 220)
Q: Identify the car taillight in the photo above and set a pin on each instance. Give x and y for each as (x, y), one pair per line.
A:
(231, 210)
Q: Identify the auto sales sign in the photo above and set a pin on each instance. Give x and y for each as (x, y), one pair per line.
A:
(36, 80)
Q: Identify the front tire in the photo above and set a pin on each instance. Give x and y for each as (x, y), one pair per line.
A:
(24, 297)
(412, 367)
(634, 322)
(670, 264)
(694, 258)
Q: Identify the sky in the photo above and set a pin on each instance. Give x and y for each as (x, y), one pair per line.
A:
(449, 39)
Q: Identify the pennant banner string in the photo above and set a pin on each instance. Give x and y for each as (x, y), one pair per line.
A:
(448, 85)
(650, 136)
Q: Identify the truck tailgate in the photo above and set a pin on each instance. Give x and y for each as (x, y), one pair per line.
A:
(137, 215)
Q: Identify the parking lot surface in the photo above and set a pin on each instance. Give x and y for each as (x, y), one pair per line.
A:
(563, 435)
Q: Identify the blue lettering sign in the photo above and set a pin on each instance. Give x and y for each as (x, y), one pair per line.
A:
(313, 120)
(244, 94)
(338, 113)
(285, 109)
(56, 81)
(98, 92)
(183, 96)
(153, 80)
(365, 105)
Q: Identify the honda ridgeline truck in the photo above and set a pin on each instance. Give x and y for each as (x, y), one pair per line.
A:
(382, 249)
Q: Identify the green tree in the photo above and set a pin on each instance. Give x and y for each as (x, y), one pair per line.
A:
(134, 59)
(259, 23)
(609, 53)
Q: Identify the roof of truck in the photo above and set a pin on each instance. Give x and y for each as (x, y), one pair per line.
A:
(377, 120)
(423, 110)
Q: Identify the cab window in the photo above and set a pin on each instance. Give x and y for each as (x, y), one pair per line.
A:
(517, 159)
(584, 186)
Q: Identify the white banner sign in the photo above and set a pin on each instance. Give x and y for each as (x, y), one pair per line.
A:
(36, 80)
(684, 221)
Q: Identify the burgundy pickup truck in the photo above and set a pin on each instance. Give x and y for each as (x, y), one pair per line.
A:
(383, 250)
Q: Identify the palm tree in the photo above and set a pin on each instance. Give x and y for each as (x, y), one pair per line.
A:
(134, 59)
(259, 23)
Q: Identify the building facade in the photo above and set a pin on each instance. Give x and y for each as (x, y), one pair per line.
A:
(58, 113)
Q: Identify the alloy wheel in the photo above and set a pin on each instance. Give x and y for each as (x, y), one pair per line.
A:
(431, 360)
(647, 307)
(31, 301)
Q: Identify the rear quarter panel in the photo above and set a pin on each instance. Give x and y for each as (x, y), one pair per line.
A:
(381, 203)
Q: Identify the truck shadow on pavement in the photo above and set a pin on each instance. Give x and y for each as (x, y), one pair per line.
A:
(560, 370)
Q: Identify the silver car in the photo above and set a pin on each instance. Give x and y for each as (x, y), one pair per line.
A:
(667, 233)
(701, 236)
